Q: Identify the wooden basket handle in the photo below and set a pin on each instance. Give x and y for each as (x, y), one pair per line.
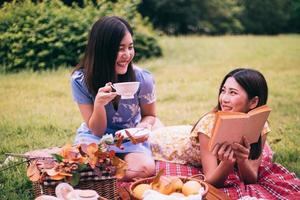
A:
(199, 176)
(136, 179)
(124, 193)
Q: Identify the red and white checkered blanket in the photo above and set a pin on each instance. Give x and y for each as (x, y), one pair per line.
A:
(274, 181)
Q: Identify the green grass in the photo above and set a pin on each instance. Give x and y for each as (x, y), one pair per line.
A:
(37, 109)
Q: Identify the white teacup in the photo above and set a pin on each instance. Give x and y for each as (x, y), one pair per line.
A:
(126, 89)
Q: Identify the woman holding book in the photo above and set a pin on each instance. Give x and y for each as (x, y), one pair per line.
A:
(241, 91)
(108, 59)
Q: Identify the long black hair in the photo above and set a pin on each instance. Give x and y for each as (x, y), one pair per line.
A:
(255, 84)
(101, 53)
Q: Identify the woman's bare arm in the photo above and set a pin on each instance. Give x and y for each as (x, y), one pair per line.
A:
(248, 169)
(94, 115)
(216, 173)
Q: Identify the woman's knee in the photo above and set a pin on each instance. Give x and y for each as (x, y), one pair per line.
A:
(140, 165)
(148, 167)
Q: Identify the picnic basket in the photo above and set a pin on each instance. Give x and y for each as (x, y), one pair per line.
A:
(85, 166)
(105, 186)
(199, 178)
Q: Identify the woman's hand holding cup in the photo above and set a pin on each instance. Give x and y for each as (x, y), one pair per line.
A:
(105, 95)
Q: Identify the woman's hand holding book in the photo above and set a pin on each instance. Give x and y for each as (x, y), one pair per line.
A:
(241, 150)
(224, 152)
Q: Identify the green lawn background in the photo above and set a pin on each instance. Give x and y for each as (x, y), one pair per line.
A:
(37, 110)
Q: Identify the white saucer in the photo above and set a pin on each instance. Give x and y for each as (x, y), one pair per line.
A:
(46, 197)
(135, 132)
(127, 97)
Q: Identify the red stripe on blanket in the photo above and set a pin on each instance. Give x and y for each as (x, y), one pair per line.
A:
(176, 169)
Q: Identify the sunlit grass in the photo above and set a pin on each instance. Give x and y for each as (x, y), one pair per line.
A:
(37, 110)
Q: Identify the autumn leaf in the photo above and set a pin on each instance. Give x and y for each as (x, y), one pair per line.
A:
(32, 168)
(132, 139)
(73, 159)
(65, 150)
(51, 172)
(92, 152)
(73, 156)
(65, 174)
(92, 149)
(33, 173)
(70, 153)
(112, 153)
(157, 177)
(57, 177)
(119, 141)
(82, 160)
(83, 149)
(92, 162)
(121, 167)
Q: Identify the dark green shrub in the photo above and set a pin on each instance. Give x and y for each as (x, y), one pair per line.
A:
(145, 47)
(265, 17)
(193, 16)
(223, 16)
(294, 19)
(49, 34)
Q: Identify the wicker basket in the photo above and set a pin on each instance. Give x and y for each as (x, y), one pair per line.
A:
(105, 186)
(184, 179)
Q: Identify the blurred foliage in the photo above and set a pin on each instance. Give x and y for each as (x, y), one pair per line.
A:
(265, 17)
(214, 16)
(223, 16)
(193, 16)
(294, 17)
(50, 34)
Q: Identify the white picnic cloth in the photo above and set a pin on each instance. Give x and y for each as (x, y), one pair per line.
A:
(152, 194)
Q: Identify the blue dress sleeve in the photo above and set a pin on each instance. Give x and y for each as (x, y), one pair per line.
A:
(146, 93)
(79, 90)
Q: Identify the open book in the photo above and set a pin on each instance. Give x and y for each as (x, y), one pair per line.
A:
(231, 126)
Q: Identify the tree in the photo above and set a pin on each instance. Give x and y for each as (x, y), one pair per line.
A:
(265, 17)
(193, 16)
(294, 18)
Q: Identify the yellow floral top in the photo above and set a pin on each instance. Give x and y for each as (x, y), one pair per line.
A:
(171, 143)
(178, 144)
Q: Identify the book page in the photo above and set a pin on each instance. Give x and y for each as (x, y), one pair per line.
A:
(228, 130)
(231, 126)
(260, 109)
(255, 126)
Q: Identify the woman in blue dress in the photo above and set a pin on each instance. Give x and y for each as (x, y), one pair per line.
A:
(108, 59)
